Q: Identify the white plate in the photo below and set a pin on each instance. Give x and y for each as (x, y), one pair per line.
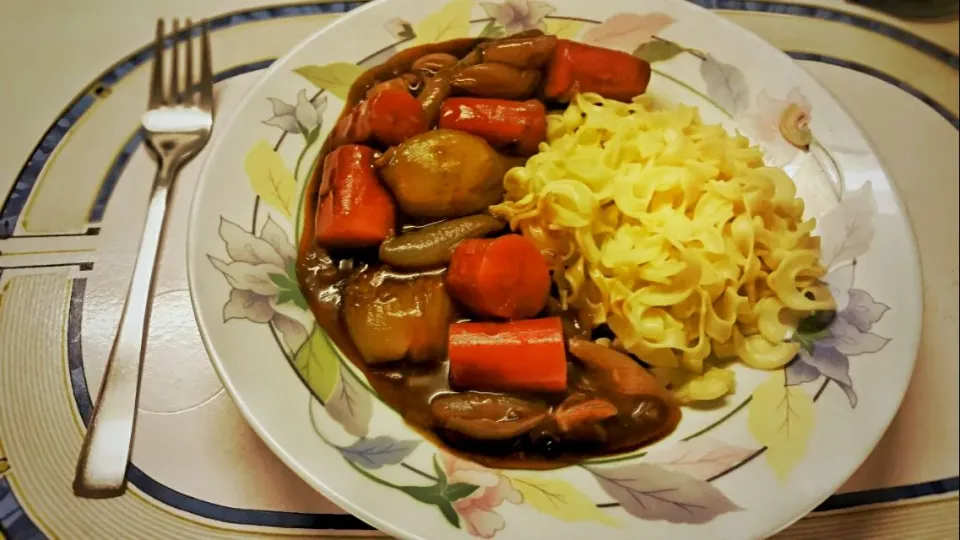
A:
(745, 470)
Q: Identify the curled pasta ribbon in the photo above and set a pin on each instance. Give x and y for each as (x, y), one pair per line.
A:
(713, 384)
(783, 282)
(768, 320)
(757, 352)
(673, 233)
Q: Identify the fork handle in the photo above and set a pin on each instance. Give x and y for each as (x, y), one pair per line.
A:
(102, 465)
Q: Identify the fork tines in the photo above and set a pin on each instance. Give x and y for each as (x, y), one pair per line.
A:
(184, 88)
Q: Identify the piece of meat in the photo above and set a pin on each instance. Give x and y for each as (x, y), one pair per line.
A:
(615, 369)
(579, 411)
(581, 417)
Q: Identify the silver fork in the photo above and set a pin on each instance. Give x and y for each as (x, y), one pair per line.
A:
(176, 127)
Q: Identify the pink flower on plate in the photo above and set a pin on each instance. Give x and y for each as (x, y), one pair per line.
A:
(764, 122)
(519, 15)
(477, 509)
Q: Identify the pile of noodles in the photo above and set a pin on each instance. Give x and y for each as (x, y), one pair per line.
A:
(674, 234)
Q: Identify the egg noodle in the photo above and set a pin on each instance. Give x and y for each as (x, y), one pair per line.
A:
(672, 232)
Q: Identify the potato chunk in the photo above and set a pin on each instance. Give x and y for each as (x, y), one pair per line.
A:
(445, 174)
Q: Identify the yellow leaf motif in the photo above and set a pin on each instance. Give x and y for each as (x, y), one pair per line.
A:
(451, 21)
(317, 364)
(564, 28)
(335, 78)
(781, 417)
(270, 178)
(559, 499)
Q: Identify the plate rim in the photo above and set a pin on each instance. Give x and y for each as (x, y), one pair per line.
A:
(912, 336)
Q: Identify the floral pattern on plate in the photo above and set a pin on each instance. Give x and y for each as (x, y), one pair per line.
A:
(673, 485)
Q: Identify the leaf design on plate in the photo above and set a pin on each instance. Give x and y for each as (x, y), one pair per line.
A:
(492, 30)
(846, 231)
(318, 365)
(378, 451)
(560, 499)
(288, 289)
(293, 331)
(335, 78)
(830, 363)
(400, 28)
(781, 417)
(350, 405)
(840, 282)
(653, 493)
(799, 372)
(726, 85)
(657, 50)
(270, 178)
(846, 338)
(626, 31)
(701, 458)
(564, 28)
(442, 494)
(449, 22)
(863, 311)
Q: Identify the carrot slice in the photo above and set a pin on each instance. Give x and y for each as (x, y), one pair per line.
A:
(504, 277)
(501, 122)
(353, 127)
(578, 67)
(395, 116)
(357, 211)
(516, 356)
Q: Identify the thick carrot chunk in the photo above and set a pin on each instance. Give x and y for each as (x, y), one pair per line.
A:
(356, 210)
(578, 67)
(516, 356)
(504, 277)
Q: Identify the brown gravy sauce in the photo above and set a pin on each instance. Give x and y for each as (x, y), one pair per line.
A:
(408, 388)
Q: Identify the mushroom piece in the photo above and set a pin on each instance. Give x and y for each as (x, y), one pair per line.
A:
(434, 62)
(496, 81)
(435, 90)
(432, 246)
(523, 53)
(487, 417)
